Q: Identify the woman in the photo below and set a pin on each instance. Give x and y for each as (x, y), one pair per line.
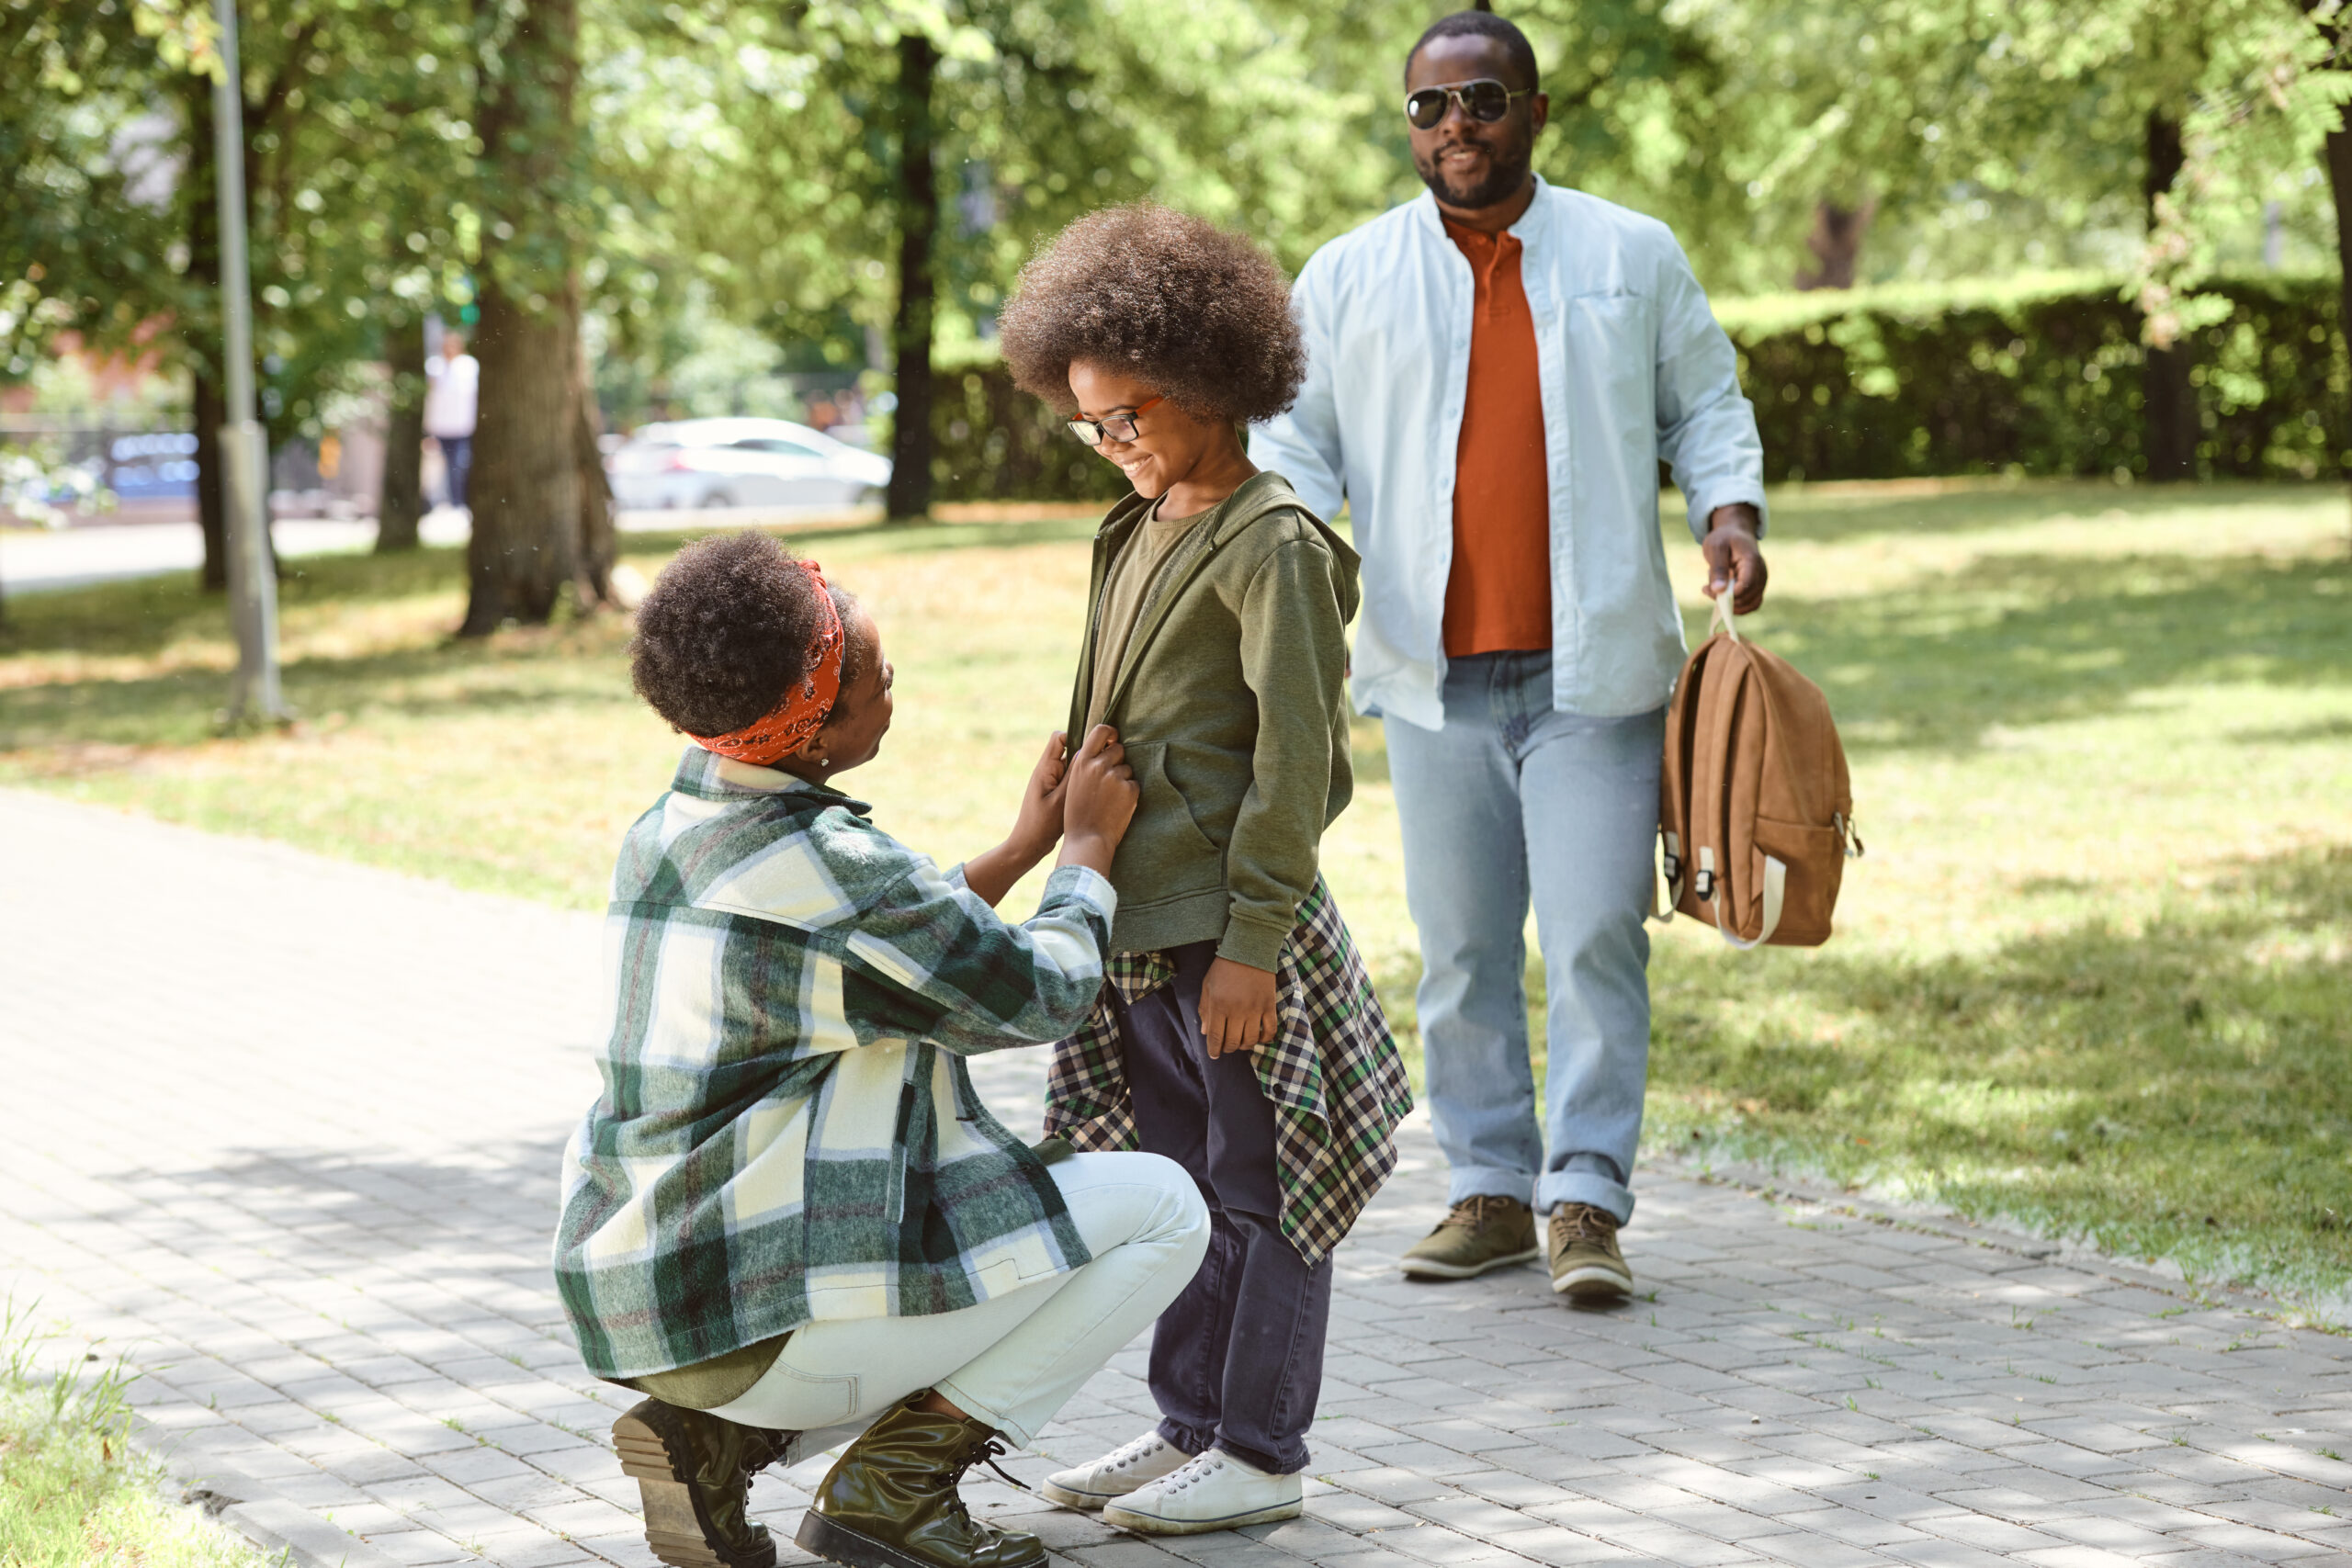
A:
(789, 1209)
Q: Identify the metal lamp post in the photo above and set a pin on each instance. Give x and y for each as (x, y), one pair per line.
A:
(253, 582)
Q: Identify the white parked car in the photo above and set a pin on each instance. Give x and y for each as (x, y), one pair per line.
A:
(741, 462)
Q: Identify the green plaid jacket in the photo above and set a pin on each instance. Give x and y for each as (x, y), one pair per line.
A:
(1332, 1071)
(787, 1131)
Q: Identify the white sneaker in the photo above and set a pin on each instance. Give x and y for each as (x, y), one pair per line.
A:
(1215, 1491)
(1117, 1474)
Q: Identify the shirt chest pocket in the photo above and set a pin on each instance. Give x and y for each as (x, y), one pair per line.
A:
(1611, 350)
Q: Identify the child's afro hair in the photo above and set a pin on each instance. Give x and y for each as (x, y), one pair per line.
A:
(1202, 314)
(724, 630)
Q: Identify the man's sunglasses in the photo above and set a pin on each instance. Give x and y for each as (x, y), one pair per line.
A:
(1118, 427)
(1485, 99)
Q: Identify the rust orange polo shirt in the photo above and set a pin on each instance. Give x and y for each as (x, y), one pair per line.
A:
(1499, 595)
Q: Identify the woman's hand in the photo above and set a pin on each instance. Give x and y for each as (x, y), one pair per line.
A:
(991, 872)
(1038, 823)
(1099, 797)
(1237, 1007)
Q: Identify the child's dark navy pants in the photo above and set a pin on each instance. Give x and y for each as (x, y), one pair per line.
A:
(1236, 1361)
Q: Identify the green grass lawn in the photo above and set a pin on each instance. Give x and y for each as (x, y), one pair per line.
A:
(2095, 975)
(73, 1491)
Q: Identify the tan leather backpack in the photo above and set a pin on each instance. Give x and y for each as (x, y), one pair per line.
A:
(1754, 805)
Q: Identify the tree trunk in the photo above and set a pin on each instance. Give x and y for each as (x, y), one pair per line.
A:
(400, 505)
(211, 503)
(524, 488)
(1837, 244)
(599, 544)
(2168, 403)
(909, 494)
(2339, 183)
(202, 329)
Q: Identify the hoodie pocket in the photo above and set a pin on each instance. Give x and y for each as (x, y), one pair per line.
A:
(1165, 854)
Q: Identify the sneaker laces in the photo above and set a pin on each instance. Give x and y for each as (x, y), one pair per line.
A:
(1473, 1212)
(1582, 1222)
(1133, 1452)
(1198, 1468)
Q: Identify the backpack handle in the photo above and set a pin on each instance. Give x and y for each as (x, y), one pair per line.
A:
(1722, 615)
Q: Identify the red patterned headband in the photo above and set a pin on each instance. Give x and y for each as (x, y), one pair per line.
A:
(786, 727)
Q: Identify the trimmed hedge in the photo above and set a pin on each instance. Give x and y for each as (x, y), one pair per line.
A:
(2037, 379)
(993, 442)
(2039, 375)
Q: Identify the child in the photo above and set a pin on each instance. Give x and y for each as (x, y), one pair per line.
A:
(789, 1209)
(1237, 1033)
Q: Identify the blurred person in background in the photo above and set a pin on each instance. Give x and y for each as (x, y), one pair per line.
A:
(1495, 370)
(453, 379)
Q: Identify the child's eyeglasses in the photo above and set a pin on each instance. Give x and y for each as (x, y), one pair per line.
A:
(1116, 427)
(1485, 99)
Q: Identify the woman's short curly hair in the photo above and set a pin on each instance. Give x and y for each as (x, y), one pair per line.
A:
(724, 630)
(1202, 314)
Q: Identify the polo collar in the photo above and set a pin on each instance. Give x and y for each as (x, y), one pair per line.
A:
(1432, 222)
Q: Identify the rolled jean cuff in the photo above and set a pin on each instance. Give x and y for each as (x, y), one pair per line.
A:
(1614, 1197)
(1466, 1182)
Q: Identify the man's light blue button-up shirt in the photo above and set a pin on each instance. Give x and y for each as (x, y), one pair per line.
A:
(1633, 370)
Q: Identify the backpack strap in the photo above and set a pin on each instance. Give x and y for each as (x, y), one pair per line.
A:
(1776, 887)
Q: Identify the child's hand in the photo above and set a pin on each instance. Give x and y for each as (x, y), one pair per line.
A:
(1099, 797)
(1237, 1007)
(1039, 821)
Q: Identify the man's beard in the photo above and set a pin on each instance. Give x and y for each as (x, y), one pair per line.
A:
(1506, 173)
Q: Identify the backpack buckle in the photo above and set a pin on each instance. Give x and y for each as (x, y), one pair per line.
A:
(1705, 883)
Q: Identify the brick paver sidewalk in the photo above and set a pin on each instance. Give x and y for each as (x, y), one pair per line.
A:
(286, 1131)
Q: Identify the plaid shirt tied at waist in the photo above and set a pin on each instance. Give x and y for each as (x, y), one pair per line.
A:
(1332, 1072)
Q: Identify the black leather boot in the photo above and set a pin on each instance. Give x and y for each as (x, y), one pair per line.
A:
(695, 1472)
(891, 1502)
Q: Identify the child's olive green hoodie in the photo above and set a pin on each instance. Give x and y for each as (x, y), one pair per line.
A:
(1231, 700)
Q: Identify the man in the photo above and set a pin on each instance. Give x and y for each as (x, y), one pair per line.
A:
(1495, 370)
(453, 382)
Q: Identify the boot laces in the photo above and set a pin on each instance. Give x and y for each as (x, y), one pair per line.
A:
(986, 1451)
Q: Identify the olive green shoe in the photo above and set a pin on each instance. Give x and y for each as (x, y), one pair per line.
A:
(1586, 1264)
(890, 1500)
(693, 1471)
(1482, 1233)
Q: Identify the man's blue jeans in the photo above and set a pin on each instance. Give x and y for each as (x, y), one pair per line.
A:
(1512, 801)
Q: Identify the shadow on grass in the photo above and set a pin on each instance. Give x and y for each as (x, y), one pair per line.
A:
(405, 684)
(2034, 639)
(1830, 516)
(147, 614)
(2175, 1092)
(144, 616)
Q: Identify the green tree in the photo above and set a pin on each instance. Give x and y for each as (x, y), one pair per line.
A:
(859, 163)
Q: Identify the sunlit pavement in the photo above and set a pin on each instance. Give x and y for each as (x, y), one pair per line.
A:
(287, 1133)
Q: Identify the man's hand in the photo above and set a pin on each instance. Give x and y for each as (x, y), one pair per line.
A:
(1735, 560)
(1038, 823)
(1098, 794)
(1238, 1009)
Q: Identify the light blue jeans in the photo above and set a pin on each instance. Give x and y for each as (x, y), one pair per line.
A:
(1512, 801)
